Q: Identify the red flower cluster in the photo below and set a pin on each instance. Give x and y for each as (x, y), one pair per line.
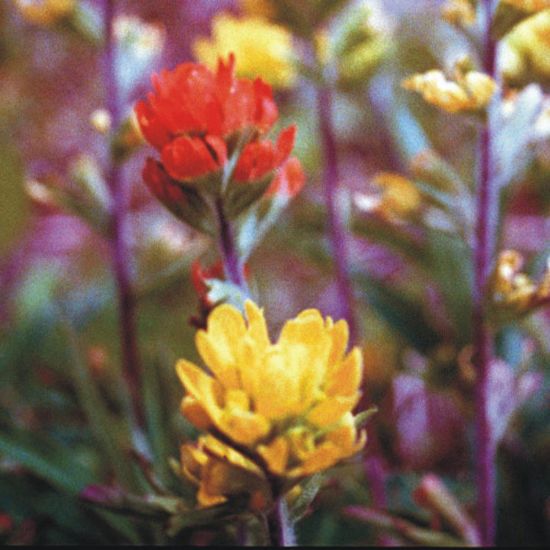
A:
(193, 114)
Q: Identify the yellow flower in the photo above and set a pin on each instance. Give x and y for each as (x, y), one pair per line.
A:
(45, 12)
(398, 197)
(459, 12)
(275, 413)
(472, 90)
(514, 293)
(261, 48)
(526, 50)
(528, 5)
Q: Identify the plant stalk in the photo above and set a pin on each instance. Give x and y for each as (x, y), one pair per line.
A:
(233, 266)
(281, 531)
(120, 253)
(484, 249)
(336, 229)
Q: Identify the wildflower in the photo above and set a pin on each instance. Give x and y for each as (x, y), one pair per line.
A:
(528, 5)
(274, 413)
(262, 48)
(514, 293)
(526, 50)
(459, 12)
(471, 92)
(398, 197)
(197, 119)
(45, 12)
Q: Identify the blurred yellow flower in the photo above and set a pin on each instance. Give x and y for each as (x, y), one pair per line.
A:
(45, 12)
(528, 5)
(397, 200)
(526, 50)
(261, 48)
(275, 413)
(514, 293)
(459, 12)
(259, 8)
(472, 90)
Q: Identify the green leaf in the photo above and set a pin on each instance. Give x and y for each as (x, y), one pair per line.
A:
(399, 312)
(310, 488)
(47, 460)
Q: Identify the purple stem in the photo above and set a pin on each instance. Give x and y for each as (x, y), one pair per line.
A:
(336, 230)
(121, 259)
(232, 264)
(280, 529)
(482, 336)
(337, 235)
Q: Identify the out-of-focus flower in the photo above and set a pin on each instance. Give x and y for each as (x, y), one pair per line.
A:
(259, 8)
(100, 120)
(275, 413)
(261, 48)
(198, 119)
(472, 90)
(45, 12)
(528, 5)
(144, 38)
(459, 12)
(513, 293)
(526, 50)
(397, 200)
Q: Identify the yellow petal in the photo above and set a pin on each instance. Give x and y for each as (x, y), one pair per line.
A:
(216, 448)
(275, 454)
(330, 410)
(196, 413)
(339, 334)
(244, 427)
(201, 387)
(257, 328)
(346, 378)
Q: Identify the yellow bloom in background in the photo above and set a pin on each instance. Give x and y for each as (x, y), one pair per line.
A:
(259, 8)
(528, 5)
(514, 293)
(261, 48)
(45, 12)
(398, 197)
(459, 12)
(471, 92)
(526, 50)
(274, 413)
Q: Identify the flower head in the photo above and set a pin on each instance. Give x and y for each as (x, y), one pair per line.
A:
(398, 198)
(45, 12)
(199, 119)
(514, 293)
(275, 413)
(471, 91)
(262, 48)
(529, 5)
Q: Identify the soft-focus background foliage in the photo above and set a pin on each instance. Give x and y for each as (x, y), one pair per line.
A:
(58, 322)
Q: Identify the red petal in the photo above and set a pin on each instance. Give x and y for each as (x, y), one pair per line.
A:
(289, 180)
(151, 128)
(160, 184)
(285, 144)
(256, 161)
(187, 158)
(266, 112)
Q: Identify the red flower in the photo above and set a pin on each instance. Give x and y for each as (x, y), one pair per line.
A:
(289, 179)
(161, 184)
(259, 158)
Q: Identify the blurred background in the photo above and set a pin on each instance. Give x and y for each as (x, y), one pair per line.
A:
(410, 264)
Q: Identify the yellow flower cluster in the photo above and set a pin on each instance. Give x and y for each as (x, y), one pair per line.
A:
(459, 12)
(261, 48)
(514, 293)
(472, 91)
(526, 51)
(529, 5)
(398, 198)
(45, 12)
(274, 413)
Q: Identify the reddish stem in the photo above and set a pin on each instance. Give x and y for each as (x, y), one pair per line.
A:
(482, 336)
(336, 229)
(121, 258)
